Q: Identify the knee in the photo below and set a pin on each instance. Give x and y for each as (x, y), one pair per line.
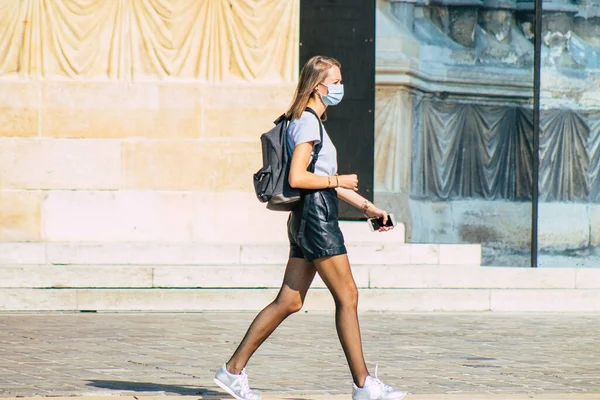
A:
(289, 305)
(349, 299)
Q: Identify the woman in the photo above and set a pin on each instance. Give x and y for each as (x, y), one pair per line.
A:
(319, 245)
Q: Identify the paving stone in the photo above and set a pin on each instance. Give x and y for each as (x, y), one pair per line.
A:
(456, 355)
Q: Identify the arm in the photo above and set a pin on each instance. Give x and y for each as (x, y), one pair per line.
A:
(356, 200)
(302, 179)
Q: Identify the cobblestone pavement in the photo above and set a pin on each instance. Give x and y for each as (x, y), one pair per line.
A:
(474, 354)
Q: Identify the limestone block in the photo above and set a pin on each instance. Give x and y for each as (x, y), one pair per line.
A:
(563, 226)
(255, 300)
(526, 278)
(545, 300)
(19, 109)
(431, 222)
(181, 112)
(496, 223)
(20, 215)
(238, 217)
(460, 254)
(29, 163)
(236, 123)
(421, 253)
(358, 253)
(466, 277)
(191, 165)
(243, 111)
(250, 96)
(75, 276)
(142, 253)
(120, 216)
(174, 300)
(230, 217)
(218, 276)
(369, 254)
(37, 300)
(424, 300)
(121, 109)
(22, 253)
(499, 224)
(318, 299)
(242, 276)
(321, 300)
(587, 278)
(265, 254)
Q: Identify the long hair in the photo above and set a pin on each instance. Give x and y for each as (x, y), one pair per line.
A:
(314, 72)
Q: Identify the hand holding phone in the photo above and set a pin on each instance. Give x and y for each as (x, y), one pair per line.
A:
(377, 223)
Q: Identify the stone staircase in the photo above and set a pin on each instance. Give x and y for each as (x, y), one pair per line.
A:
(392, 276)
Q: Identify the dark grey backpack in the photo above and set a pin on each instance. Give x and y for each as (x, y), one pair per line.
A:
(271, 181)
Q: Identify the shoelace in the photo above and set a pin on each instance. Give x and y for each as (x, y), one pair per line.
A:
(382, 385)
(244, 382)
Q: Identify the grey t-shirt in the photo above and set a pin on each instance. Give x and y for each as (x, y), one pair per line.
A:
(306, 129)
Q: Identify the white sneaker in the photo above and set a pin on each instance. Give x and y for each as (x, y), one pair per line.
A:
(235, 385)
(374, 389)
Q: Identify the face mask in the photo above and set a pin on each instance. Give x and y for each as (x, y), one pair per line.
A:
(334, 95)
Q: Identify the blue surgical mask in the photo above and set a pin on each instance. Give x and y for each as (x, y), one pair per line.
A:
(334, 95)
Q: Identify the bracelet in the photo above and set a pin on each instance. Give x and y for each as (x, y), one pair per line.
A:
(338, 181)
(365, 206)
(328, 182)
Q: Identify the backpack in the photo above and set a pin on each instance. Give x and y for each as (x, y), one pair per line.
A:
(271, 181)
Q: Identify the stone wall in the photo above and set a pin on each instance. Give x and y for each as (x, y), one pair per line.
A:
(139, 121)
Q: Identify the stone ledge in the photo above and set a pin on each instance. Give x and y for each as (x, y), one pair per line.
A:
(558, 300)
(270, 276)
(160, 253)
(317, 300)
(142, 253)
(459, 277)
(97, 276)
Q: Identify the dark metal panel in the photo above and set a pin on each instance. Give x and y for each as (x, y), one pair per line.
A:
(345, 30)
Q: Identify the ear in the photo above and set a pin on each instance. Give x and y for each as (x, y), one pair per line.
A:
(317, 89)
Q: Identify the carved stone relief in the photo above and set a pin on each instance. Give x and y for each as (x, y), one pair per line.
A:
(212, 40)
(501, 31)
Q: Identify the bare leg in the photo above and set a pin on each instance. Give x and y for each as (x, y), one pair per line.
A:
(335, 272)
(299, 274)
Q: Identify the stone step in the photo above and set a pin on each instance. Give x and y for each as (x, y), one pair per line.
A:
(197, 300)
(254, 276)
(144, 253)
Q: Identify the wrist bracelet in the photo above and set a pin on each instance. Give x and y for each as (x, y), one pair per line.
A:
(328, 182)
(365, 206)
(338, 181)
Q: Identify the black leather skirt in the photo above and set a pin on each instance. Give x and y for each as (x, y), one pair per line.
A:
(320, 234)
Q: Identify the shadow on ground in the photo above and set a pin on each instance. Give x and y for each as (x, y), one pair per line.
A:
(155, 387)
(147, 387)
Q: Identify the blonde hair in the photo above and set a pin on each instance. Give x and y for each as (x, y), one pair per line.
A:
(314, 72)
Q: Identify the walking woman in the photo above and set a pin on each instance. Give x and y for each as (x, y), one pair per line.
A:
(316, 244)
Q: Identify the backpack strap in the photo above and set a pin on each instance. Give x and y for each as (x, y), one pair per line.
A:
(311, 168)
(317, 147)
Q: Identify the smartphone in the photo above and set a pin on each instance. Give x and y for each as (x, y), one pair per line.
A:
(376, 223)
